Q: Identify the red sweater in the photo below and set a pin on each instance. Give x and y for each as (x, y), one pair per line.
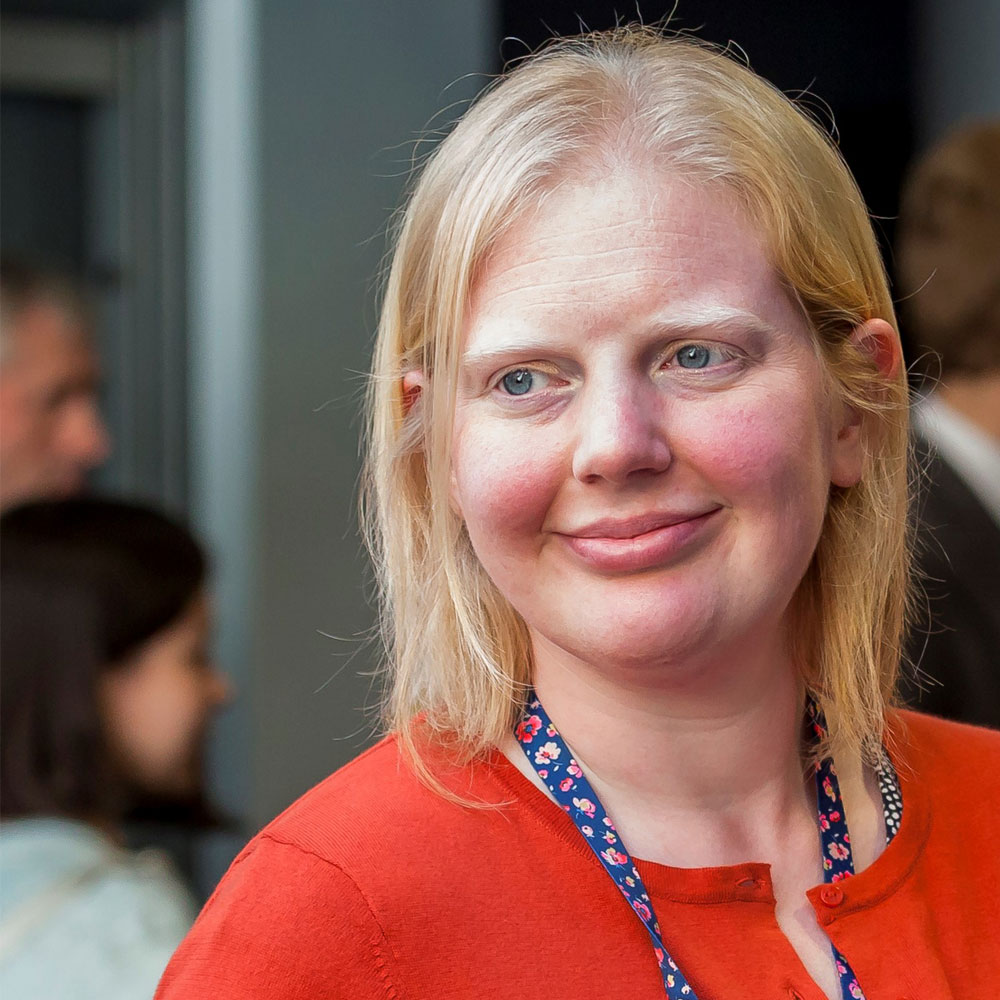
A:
(371, 886)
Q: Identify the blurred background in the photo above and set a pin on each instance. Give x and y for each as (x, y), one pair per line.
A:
(219, 173)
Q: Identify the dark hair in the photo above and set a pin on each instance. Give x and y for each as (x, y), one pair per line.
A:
(84, 583)
(948, 251)
(23, 285)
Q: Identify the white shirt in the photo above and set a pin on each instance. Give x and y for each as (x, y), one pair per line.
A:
(970, 451)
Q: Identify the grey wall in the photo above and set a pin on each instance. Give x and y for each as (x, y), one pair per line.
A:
(223, 346)
(344, 87)
(302, 117)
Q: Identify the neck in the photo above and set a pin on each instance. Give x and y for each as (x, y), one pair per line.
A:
(977, 398)
(714, 756)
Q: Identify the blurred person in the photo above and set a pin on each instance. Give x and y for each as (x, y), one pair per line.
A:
(107, 692)
(948, 253)
(51, 433)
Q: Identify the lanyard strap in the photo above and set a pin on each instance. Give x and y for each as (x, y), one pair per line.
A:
(563, 776)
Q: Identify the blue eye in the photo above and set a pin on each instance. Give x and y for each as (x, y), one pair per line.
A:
(517, 382)
(693, 356)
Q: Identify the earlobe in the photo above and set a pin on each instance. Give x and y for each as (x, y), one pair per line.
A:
(413, 385)
(878, 341)
(847, 462)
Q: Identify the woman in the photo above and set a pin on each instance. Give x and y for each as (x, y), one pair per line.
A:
(107, 692)
(638, 501)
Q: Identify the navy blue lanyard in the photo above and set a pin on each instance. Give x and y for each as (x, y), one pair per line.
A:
(563, 776)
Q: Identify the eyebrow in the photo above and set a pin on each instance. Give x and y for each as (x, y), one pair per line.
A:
(692, 323)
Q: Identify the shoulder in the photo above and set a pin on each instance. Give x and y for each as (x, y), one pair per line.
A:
(145, 888)
(104, 929)
(332, 870)
(368, 808)
(944, 739)
(951, 760)
(71, 867)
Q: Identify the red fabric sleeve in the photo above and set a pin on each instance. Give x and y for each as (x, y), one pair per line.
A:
(284, 924)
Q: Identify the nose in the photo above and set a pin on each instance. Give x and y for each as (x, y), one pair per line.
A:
(621, 434)
(86, 439)
(218, 689)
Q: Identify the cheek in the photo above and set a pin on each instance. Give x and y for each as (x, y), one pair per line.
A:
(154, 717)
(503, 487)
(774, 460)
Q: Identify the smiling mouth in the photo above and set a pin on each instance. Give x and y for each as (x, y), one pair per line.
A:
(639, 543)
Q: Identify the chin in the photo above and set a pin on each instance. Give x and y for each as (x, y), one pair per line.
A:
(643, 630)
(635, 642)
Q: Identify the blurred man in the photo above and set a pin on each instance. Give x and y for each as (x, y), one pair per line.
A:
(51, 432)
(949, 265)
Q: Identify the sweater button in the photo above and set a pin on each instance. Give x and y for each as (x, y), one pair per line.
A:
(832, 895)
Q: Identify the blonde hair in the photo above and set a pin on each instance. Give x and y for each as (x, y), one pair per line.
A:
(458, 655)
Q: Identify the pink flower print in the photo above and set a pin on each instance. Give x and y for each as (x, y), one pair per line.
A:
(840, 876)
(824, 823)
(834, 816)
(614, 857)
(841, 968)
(585, 806)
(670, 980)
(838, 851)
(566, 784)
(550, 731)
(543, 772)
(827, 864)
(587, 831)
(607, 822)
(629, 881)
(855, 990)
(527, 728)
(642, 909)
(828, 788)
(609, 837)
(550, 751)
(658, 952)
(575, 769)
(847, 838)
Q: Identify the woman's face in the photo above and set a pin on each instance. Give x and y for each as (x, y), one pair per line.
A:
(643, 444)
(157, 706)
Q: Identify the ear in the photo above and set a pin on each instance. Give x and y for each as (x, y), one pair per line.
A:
(879, 342)
(413, 385)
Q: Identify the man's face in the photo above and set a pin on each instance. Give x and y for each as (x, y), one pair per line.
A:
(51, 433)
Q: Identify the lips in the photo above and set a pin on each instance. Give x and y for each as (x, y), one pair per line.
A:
(633, 527)
(638, 543)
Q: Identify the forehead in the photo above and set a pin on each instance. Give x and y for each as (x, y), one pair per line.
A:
(637, 246)
(45, 338)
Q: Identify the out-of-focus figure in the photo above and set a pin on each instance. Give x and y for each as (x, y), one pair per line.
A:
(51, 432)
(949, 265)
(107, 692)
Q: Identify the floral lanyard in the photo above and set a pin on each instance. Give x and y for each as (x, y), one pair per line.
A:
(563, 776)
